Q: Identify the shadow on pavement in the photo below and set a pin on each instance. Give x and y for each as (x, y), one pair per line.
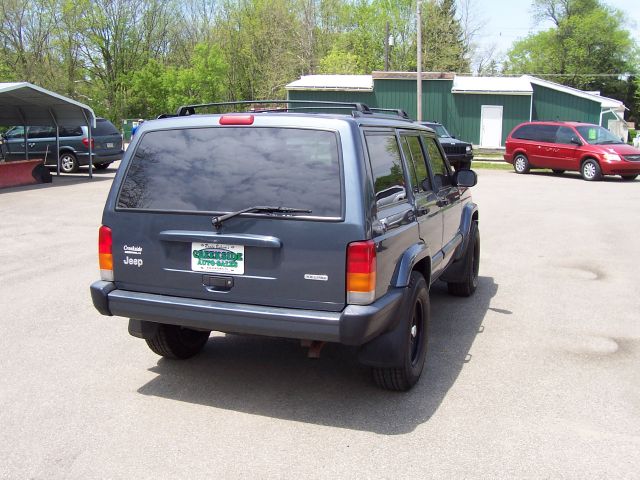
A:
(571, 175)
(65, 180)
(273, 377)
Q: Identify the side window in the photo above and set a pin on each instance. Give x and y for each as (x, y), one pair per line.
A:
(16, 132)
(441, 176)
(418, 173)
(41, 132)
(524, 133)
(544, 133)
(70, 131)
(564, 135)
(388, 178)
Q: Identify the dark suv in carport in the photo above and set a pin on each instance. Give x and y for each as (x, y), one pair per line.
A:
(278, 223)
(74, 145)
(459, 153)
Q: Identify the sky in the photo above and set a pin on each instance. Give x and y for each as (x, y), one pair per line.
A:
(508, 20)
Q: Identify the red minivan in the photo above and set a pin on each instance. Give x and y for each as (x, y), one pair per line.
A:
(582, 147)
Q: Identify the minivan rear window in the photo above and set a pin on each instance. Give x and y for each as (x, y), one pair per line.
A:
(104, 127)
(225, 169)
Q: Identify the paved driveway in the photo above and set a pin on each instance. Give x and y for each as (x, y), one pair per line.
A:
(536, 376)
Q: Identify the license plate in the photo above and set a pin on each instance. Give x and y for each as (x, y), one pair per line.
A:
(109, 145)
(217, 258)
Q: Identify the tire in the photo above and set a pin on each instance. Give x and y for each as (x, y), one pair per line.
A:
(468, 286)
(558, 172)
(521, 163)
(590, 171)
(68, 163)
(629, 178)
(173, 341)
(415, 316)
(101, 166)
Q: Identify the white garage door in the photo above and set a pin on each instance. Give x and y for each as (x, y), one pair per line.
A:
(491, 126)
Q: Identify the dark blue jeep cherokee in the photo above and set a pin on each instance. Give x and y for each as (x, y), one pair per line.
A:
(313, 226)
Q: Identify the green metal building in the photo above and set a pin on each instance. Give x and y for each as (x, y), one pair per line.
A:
(482, 110)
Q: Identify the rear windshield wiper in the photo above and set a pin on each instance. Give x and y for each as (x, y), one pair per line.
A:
(217, 221)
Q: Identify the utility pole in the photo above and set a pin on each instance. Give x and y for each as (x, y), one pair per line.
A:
(419, 55)
(386, 48)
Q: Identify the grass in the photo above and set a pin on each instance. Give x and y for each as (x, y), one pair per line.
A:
(492, 165)
(491, 156)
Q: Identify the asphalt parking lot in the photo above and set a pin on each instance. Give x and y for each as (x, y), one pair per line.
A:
(536, 376)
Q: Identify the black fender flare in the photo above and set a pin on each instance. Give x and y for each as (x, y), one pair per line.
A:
(411, 256)
(468, 212)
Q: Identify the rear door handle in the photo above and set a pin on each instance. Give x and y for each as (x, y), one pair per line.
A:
(443, 202)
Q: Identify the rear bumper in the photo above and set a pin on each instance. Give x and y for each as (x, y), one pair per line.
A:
(83, 158)
(355, 325)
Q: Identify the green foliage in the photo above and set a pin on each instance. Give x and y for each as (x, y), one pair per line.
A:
(445, 50)
(341, 62)
(588, 47)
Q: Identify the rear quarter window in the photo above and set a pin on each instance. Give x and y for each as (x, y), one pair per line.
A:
(225, 169)
(386, 165)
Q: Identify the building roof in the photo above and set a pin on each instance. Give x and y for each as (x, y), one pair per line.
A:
(333, 82)
(522, 85)
(500, 85)
(23, 103)
(412, 75)
(604, 102)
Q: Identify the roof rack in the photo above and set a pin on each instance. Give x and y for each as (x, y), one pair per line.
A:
(191, 109)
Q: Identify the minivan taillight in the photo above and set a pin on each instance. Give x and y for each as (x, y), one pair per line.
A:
(361, 272)
(105, 253)
(85, 142)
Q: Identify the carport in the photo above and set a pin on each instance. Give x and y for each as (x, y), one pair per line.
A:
(28, 105)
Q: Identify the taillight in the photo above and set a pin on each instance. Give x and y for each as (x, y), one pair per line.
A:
(361, 272)
(236, 120)
(85, 142)
(105, 253)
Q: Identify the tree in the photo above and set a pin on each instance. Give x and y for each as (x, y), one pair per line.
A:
(587, 48)
(443, 39)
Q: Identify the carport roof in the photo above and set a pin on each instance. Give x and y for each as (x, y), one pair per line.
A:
(23, 103)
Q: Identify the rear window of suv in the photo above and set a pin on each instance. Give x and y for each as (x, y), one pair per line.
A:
(225, 169)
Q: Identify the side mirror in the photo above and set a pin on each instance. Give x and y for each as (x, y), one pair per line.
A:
(466, 178)
(576, 141)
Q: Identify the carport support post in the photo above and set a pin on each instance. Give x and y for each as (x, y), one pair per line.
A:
(26, 134)
(26, 143)
(419, 62)
(55, 122)
(90, 145)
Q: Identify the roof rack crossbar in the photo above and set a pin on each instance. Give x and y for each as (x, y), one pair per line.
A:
(397, 111)
(191, 109)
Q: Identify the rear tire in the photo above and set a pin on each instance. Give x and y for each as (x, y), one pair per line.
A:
(521, 163)
(591, 171)
(629, 178)
(174, 341)
(415, 318)
(68, 163)
(468, 286)
(558, 172)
